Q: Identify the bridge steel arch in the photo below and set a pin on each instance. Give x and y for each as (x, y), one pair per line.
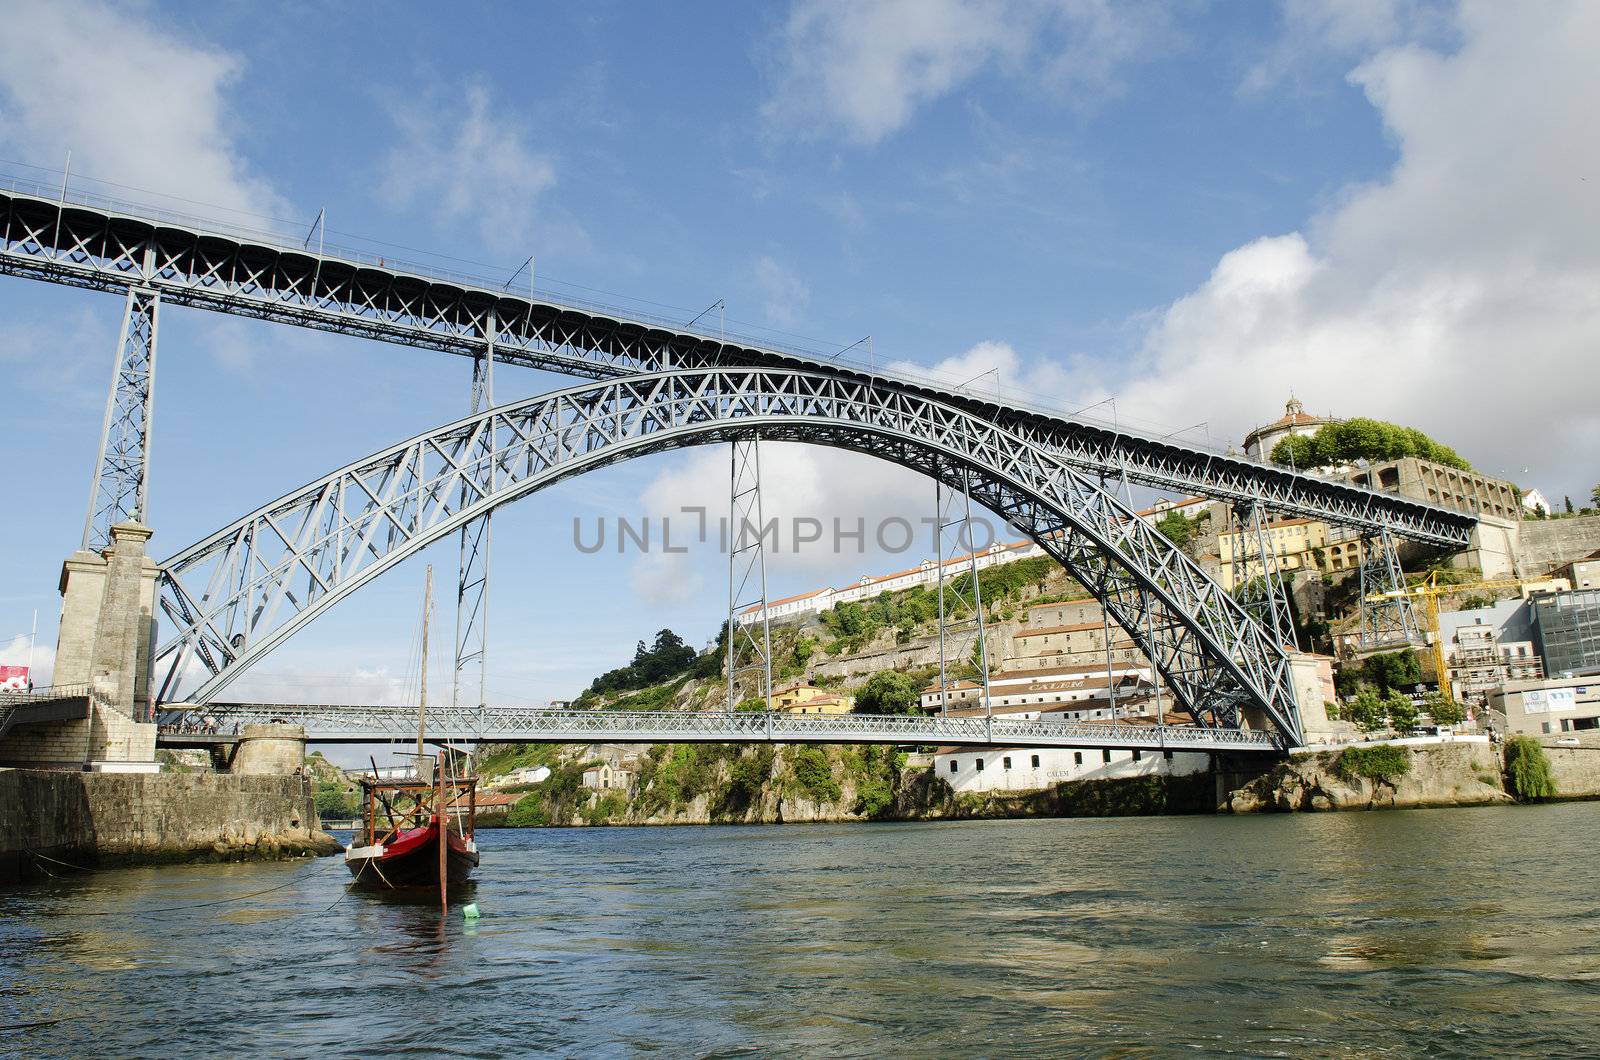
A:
(236, 595)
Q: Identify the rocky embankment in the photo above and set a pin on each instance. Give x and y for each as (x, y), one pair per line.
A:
(1382, 777)
(764, 784)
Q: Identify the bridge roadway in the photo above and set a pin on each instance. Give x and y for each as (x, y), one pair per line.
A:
(350, 724)
(102, 245)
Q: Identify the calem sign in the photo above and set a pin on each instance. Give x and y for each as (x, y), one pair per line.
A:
(13, 678)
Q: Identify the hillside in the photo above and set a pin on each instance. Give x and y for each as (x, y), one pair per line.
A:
(755, 783)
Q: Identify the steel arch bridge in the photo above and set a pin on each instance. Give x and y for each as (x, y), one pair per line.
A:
(236, 595)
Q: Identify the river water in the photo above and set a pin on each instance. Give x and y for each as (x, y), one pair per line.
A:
(1454, 932)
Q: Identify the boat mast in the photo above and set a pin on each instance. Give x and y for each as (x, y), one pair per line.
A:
(422, 707)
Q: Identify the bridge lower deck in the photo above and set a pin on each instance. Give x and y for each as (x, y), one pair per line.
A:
(348, 724)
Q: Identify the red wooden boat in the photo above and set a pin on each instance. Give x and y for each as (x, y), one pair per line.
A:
(417, 830)
(400, 848)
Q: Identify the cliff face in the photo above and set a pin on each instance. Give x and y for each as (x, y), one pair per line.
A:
(1447, 775)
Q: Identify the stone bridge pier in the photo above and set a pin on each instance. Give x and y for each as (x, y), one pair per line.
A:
(107, 625)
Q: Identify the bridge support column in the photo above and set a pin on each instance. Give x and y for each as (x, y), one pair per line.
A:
(118, 491)
(749, 642)
(472, 579)
(269, 750)
(104, 643)
(1261, 591)
(1387, 617)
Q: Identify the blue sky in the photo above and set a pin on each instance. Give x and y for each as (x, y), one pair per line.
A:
(1191, 208)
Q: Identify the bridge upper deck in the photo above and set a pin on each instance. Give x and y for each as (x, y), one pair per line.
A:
(370, 724)
(106, 246)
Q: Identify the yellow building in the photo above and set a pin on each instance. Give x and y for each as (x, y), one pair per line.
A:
(809, 699)
(1295, 544)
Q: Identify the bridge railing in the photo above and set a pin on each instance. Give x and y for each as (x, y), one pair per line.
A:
(44, 694)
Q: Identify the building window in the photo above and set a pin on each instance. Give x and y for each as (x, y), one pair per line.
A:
(1167, 755)
(1136, 754)
(1077, 758)
(1006, 762)
(1105, 756)
(979, 763)
(953, 765)
(1036, 761)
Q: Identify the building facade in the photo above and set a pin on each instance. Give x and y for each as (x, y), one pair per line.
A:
(1568, 629)
(809, 699)
(1294, 421)
(1447, 487)
(1553, 705)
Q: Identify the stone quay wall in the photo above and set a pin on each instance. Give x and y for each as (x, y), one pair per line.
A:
(1576, 770)
(107, 819)
(1545, 544)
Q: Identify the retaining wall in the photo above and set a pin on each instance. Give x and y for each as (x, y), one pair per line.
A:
(99, 819)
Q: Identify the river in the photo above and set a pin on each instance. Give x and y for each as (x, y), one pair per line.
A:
(1449, 932)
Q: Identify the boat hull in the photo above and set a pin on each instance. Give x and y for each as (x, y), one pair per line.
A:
(411, 860)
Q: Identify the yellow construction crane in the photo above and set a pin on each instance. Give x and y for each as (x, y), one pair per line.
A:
(1428, 590)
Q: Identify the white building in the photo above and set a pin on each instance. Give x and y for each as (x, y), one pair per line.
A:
(970, 769)
(1534, 501)
(526, 775)
(607, 777)
(1043, 688)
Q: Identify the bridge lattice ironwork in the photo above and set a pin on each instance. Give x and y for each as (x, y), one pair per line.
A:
(234, 596)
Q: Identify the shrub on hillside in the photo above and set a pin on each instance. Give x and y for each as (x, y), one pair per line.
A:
(528, 812)
(814, 775)
(888, 692)
(1383, 762)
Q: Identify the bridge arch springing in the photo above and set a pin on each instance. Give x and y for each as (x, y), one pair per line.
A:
(235, 596)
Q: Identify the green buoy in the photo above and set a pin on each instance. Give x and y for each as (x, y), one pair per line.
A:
(470, 911)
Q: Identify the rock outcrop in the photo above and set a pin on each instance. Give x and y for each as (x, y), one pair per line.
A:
(1441, 775)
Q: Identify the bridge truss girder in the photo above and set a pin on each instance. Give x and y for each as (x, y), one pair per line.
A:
(239, 593)
(250, 275)
(357, 724)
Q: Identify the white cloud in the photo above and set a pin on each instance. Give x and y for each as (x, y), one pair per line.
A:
(135, 105)
(375, 686)
(15, 653)
(461, 159)
(1461, 295)
(867, 66)
(784, 295)
(1316, 29)
(809, 490)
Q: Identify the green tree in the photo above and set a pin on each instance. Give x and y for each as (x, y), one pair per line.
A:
(1362, 438)
(888, 692)
(1391, 670)
(1594, 496)
(1568, 502)
(1176, 528)
(1444, 710)
(1528, 768)
(1402, 713)
(1365, 711)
